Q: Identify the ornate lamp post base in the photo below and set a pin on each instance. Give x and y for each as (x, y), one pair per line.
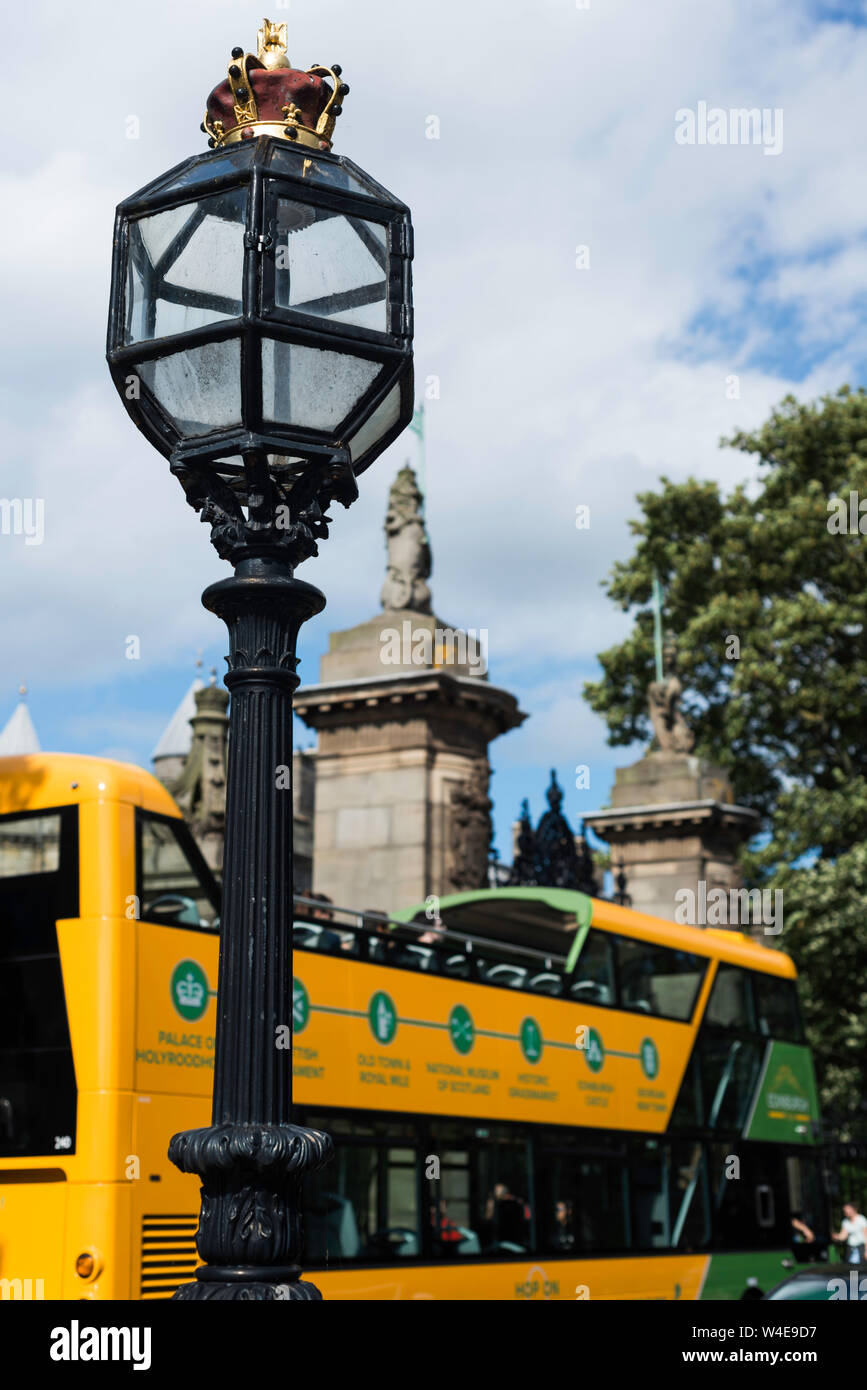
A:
(251, 1175)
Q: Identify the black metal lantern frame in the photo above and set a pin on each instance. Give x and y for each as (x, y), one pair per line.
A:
(163, 325)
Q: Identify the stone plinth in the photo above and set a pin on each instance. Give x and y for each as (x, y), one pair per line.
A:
(418, 640)
(673, 823)
(401, 808)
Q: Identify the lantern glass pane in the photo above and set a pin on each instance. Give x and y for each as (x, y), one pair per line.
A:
(310, 387)
(185, 267)
(381, 421)
(331, 266)
(199, 388)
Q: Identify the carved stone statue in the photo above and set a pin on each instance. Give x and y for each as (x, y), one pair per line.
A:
(409, 557)
(673, 734)
(470, 832)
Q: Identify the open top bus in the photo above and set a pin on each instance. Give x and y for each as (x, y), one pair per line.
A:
(532, 1094)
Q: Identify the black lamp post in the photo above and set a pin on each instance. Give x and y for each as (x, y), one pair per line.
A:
(260, 336)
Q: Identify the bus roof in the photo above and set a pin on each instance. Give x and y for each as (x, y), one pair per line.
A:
(36, 781)
(549, 917)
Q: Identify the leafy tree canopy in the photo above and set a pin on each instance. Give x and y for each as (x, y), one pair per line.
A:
(825, 933)
(761, 566)
(765, 590)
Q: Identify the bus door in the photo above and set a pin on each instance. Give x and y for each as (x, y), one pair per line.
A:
(750, 1195)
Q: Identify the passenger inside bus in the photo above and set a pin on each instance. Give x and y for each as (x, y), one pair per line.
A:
(506, 1220)
(563, 1237)
(445, 1231)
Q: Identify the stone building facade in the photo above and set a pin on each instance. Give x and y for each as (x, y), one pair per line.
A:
(673, 825)
(392, 804)
(404, 713)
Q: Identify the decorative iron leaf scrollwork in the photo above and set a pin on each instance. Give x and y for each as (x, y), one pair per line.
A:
(262, 1149)
(250, 1178)
(283, 520)
(296, 1291)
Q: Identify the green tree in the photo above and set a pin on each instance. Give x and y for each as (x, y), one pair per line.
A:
(766, 596)
(824, 932)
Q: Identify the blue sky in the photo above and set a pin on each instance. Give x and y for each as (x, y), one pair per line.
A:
(558, 386)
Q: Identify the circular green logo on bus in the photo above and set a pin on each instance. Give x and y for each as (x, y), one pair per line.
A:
(594, 1052)
(461, 1029)
(189, 990)
(649, 1058)
(300, 1007)
(382, 1016)
(531, 1040)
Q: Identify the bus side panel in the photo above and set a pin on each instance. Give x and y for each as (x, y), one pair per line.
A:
(372, 1037)
(98, 958)
(728, 1274)
(33, 1207)
(98, 1224)
(666, 1277)
(164, 1201)
(176, 1013)
(176, 1022)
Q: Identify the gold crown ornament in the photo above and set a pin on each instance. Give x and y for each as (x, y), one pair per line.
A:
(264, 95)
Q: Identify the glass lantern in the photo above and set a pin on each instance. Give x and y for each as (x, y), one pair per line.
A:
(262, 303)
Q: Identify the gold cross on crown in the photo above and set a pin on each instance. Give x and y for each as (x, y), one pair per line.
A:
(272, 45)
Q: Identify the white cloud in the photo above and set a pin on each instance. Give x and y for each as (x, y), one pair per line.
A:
(559, 386)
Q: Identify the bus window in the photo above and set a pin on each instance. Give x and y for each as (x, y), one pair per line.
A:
(601, 1220)
(688, 1111)
(729, 1072)
(505, 1224)
(582, 1194)
(730, 1002)
(482, 1203)
(657, 980)
(364, 1204)
(777, 1011)
(593, 978)
(453, 1195)
(648, 1187)
(38, 887)
(688, 1198)
(450, 1206)
(175, 886)
(29, 845)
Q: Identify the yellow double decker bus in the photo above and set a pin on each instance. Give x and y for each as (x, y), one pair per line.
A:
(537, 1095)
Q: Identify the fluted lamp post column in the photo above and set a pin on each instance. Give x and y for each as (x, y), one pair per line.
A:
(260, 336)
